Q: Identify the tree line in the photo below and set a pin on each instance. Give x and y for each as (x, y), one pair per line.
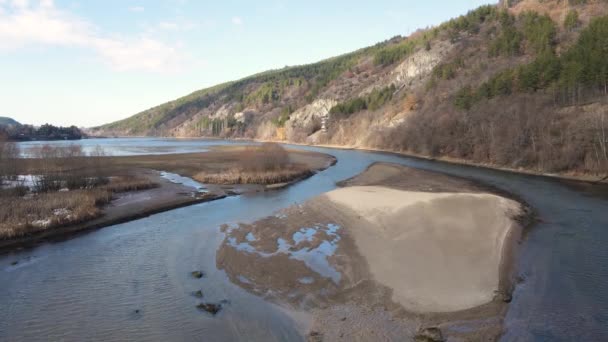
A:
(372, 101)
(580, 72)
(44, 132)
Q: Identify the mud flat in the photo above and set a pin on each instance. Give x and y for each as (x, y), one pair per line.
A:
(396, 253)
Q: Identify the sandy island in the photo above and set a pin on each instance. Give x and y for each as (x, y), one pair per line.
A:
(395, 254)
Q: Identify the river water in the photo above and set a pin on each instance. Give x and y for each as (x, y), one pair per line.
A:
(132, 281)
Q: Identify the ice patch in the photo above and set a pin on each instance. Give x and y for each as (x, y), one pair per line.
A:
(244, 280)
(62, 212)
(306, 280)
(28, 181)
(186, 181)
(305, 234)
(41, 223)
(315, 258)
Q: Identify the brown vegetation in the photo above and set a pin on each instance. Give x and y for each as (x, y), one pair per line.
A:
(25, 215)
(505, 86)
(69, 187)
(8, 152)
(268, 163)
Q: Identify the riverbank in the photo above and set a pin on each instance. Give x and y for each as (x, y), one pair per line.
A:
(124, 207)
(169, 186)
(559, 176)
(395, 253)
(593, 179)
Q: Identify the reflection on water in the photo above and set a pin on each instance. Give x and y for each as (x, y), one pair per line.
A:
(132, 281)
(131, 146)
(187, 181)
(316, 258)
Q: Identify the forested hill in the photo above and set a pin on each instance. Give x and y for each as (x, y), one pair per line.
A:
(522, 84)
(5, 121)
(21, 132)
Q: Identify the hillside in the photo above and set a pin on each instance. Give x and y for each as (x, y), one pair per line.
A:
(5, 121)
(522, 84)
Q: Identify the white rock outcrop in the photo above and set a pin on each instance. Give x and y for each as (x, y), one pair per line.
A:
(307, 119)
(419, 65)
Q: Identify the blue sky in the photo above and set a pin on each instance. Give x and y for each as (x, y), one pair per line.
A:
(92, 62)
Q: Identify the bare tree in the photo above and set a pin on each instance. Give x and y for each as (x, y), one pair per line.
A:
(601, 142)
(9, 151)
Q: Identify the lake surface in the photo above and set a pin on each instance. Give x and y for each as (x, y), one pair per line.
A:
(89, 287)
(131, 146)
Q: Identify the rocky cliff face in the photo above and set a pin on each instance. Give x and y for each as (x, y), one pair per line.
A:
(461, 90)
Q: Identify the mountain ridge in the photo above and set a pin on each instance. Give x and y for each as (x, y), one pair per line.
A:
(520, 66)
(6, 121)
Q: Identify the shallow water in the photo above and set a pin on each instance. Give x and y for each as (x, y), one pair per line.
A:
(186, 181)
(131, 146)
(91, 286)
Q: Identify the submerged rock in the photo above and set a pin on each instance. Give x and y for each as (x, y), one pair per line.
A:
(198, 294)
(198, 274)
(431, 334)
(503, 296)
(315, 336)
(211, 308)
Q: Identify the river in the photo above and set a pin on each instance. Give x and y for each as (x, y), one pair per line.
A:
(132, 281)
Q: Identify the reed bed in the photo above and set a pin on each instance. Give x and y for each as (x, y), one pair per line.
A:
(129, 183)
(238, 176)
(34, 212)
(266, 164)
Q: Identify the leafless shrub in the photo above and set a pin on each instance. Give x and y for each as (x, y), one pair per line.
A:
(522, 131)
(267, 157)
(24, 213)
(48, 210)
(9, 151)
(265, 164)
(257, 177)
(69, 167)
(128, 183)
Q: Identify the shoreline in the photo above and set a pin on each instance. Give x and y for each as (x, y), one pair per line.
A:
(112, 217)
(357, 283)
(554, 176)
(65, 233)
(166, 197)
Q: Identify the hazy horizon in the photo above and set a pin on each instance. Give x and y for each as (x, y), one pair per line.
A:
(85, 64)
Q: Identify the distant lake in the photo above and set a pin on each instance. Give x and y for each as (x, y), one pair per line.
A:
(131, 146)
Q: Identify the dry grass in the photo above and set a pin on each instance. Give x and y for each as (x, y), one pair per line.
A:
(266, 164)
(129, 183)
(34, 212)
(25, 215)
(238, 176)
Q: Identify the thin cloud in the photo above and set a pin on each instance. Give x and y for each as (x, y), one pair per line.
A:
(136, 9)
(167, 25)
(23, 25)
(237, 20)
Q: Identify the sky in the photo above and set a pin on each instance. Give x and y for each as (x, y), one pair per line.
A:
(87, 63)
